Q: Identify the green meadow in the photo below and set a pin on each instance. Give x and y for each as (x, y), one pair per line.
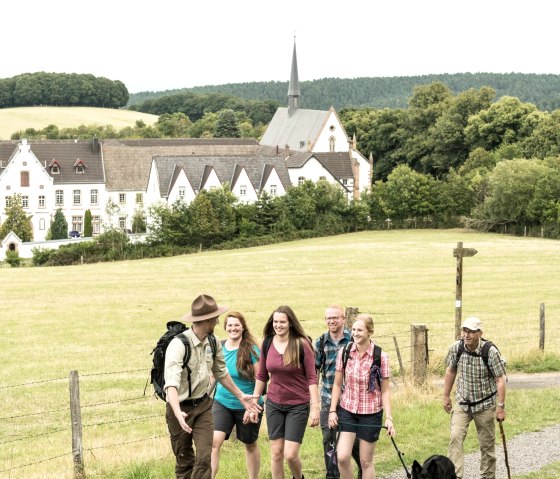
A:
(104, 319)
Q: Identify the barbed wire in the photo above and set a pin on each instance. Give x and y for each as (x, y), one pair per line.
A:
(125, 443)
(36, 462)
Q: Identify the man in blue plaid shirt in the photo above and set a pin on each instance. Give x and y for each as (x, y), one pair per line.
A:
(327, 347)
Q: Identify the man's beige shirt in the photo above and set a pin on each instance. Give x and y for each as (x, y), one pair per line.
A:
(200, 363)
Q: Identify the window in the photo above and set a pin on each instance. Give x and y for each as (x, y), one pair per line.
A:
(122, 198)
(122, 222)
(181, 192)
(55, 169)
(139, 198)
(302, 144)
(332, 143)
(80, 169)
(94, 197)
(24, 176)
(42, 224)
(322, 178)
(59, 198)
(96, 224)
(301, 180)
(77, 223)
(77, 198)
(273, 190)
(243, 190)
(41, 201)
(8, 201)
(25, 201)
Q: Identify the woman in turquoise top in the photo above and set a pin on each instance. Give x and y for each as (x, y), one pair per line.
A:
(242, 360)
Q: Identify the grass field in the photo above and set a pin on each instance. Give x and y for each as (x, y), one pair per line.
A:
(103, 320)
(38, 117)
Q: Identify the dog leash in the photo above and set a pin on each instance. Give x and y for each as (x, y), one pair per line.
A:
(400, 454)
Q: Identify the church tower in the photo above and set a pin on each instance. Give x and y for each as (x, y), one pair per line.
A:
(293, 89)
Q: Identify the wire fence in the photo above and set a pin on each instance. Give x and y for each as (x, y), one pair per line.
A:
(138, 414)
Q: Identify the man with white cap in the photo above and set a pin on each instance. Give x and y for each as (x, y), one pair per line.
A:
(480, 395)
(189, 407)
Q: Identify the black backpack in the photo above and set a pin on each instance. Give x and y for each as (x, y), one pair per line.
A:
(374, 372)
(174, 328)
(483, 352)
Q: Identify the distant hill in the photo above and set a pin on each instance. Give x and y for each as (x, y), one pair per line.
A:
(393, 92)
(38, 117)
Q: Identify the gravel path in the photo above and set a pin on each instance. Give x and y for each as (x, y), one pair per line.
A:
(526, 452)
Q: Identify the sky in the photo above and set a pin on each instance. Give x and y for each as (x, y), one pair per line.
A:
(169, 44)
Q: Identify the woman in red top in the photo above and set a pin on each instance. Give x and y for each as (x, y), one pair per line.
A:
(366, 394)
(292, 395)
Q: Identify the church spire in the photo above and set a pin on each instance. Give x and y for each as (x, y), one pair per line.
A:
(293, 89)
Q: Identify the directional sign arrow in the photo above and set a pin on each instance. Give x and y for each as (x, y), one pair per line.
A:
(465, 252)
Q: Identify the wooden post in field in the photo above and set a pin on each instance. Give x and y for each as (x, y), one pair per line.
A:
(76, 418)
(459, 253)
(351, 313)
(419, 352)
(541, 336)
(399, 357)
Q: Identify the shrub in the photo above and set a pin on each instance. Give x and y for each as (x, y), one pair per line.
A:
(12, 258)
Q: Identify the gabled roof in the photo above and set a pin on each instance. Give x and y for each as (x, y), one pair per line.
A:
(338, 164)
(198, 167)
(292, 129)
(66, 153)
(128, 162)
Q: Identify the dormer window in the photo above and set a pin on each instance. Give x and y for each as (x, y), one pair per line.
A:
(54, 167)
(80, 166)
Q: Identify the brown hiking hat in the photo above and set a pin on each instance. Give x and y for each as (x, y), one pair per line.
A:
(204, 307)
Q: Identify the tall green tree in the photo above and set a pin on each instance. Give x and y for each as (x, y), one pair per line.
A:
(88, 227)
(227, 125)
(59, 226)
(17, 221)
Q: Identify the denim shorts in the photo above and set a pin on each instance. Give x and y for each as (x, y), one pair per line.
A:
(286, 421)
(225, 419)
(366, 426)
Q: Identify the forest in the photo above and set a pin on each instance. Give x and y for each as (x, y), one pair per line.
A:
(62, 89)
(543, 90)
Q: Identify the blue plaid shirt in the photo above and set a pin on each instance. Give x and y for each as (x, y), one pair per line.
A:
(331, 351)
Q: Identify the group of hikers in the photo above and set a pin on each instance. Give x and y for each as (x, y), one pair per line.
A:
(279, 378)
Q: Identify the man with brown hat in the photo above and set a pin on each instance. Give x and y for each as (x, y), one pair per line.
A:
(480, 396)
(189, 407)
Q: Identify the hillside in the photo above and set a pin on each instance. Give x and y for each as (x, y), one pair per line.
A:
(392, 92)
(15, 119)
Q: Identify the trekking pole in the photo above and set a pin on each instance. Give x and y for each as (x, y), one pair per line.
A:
(400, 454)
(505, 447)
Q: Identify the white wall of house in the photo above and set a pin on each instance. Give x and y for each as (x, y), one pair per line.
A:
(182, 190)
(312, 170)
(273, 185)
(364, 168)
(332, 137)
(243, 188)
(212, 181)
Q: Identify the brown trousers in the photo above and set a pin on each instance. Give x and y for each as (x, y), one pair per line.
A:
(188, 463)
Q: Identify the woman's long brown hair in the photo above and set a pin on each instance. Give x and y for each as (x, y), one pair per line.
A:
(246, 352)
(296, 335)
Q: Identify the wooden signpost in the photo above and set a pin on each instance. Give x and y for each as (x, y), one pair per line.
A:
(460, 253)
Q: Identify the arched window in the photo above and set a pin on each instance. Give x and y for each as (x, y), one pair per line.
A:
(41, 224)
(332, 143)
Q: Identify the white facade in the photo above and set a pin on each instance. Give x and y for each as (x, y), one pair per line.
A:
(332, 136)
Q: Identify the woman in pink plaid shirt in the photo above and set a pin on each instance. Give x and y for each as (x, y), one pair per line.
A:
(364, 392)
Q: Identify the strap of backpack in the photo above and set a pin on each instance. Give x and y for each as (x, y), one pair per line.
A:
(345, 356)
(187, 358)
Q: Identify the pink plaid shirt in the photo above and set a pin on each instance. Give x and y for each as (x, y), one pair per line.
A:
(356, 398)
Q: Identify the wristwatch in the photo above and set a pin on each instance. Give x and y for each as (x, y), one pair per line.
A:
(502, 405)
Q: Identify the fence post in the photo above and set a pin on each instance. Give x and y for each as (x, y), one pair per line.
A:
(419, 352)
(542, 329)
(399, 357)
(76, 418)
(351, 314)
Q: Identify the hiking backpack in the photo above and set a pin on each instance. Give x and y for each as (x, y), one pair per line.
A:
(174, 329)
(374, 370)
(484, 351)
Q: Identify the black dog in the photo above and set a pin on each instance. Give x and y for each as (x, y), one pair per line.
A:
(435, 467)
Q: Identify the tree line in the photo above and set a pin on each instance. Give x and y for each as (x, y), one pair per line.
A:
(543, 90)
(62, 89)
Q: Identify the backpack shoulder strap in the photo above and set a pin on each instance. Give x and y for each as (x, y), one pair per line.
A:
(213, 345)
(187, 358)
(460, 351)
(376, 356)
(266, 346)
(484, 351)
